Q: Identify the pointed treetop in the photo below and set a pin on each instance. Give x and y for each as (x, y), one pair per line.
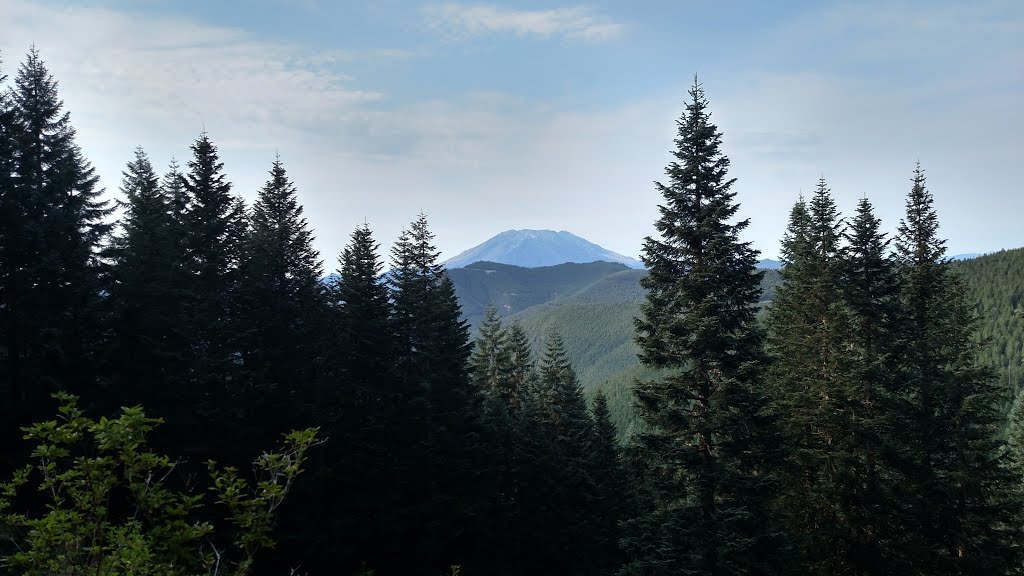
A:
(917, 242)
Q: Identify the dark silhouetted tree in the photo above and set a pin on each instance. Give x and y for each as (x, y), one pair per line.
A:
(282, 305)
(147, 294)
(214, 226)
(52, 222)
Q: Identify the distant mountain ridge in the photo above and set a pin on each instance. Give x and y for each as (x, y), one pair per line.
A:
(535, 248)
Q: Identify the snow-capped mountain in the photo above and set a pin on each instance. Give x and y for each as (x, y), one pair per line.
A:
(533, 248)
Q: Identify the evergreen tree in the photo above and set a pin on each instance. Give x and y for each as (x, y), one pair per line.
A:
(561, 483)
(173, 185)
(443, 407)
(282, 303)
(1015, 437)
(810, 330)
(148, 345)
(360, 480)
(522, 370)
(561, 398)
(364, 350)
(51, 225)
(215, 229)
(490, 364)
(280, 329)
(698, 326)
(871, 296)
(965, 515)
(611, 487)
(10, 391)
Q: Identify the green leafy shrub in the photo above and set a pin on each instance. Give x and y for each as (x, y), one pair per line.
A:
(101, 503)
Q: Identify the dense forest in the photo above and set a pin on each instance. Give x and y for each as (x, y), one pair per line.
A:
(185, 393)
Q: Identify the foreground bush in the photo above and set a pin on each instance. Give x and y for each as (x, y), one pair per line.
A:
(101, 503)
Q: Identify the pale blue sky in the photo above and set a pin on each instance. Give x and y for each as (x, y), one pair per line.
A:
(490, 116)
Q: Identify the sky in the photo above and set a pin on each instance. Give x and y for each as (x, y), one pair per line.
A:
(489, 116)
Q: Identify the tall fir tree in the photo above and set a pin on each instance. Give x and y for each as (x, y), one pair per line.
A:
(173, 185)
(808, 339)
(560, 488)
(508, 538)
(360, 478)
(52, 222)
(148, 345)
(10, 392)
(704, 412)
(432, 354)
(490, 363)
(612, 490)
(965, 515)
(215, 228)
(871, 295)
(281, 328)
(523, 375)
(281, 307)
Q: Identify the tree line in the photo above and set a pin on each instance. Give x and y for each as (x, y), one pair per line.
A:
(215, 317)
(852, 433)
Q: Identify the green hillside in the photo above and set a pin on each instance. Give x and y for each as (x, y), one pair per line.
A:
(996, 283)
(593, 305)
(512, 289)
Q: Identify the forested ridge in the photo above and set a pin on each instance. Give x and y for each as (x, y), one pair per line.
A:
(595, 317)
(185, 394)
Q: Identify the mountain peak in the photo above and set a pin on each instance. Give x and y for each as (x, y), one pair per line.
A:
(533, 248)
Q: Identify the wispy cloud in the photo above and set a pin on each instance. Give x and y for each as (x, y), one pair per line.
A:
(164, 72)
(475, 19)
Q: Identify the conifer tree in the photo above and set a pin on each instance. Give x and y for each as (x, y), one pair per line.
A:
(148, 345)
(1015, 437)
(561, 398)
(871, 297)
(364, 472)
(564, 476)
(277, 331)
(522, 374)
(173, 185)
(810, 330)
(698, 326)
(965, 515)
(490, 364)
(509, 538)
(364, 350)
(611, 488)
(10, 211)
(215, 228)
(52, 221)
(281, 305)
(443, 407)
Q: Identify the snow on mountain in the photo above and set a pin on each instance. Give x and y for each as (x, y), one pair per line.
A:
(533, 248)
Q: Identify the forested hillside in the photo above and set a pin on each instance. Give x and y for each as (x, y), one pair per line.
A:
(512, 289)
(595, 316)
(996, 283)
(591, 305)
(183, 394)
